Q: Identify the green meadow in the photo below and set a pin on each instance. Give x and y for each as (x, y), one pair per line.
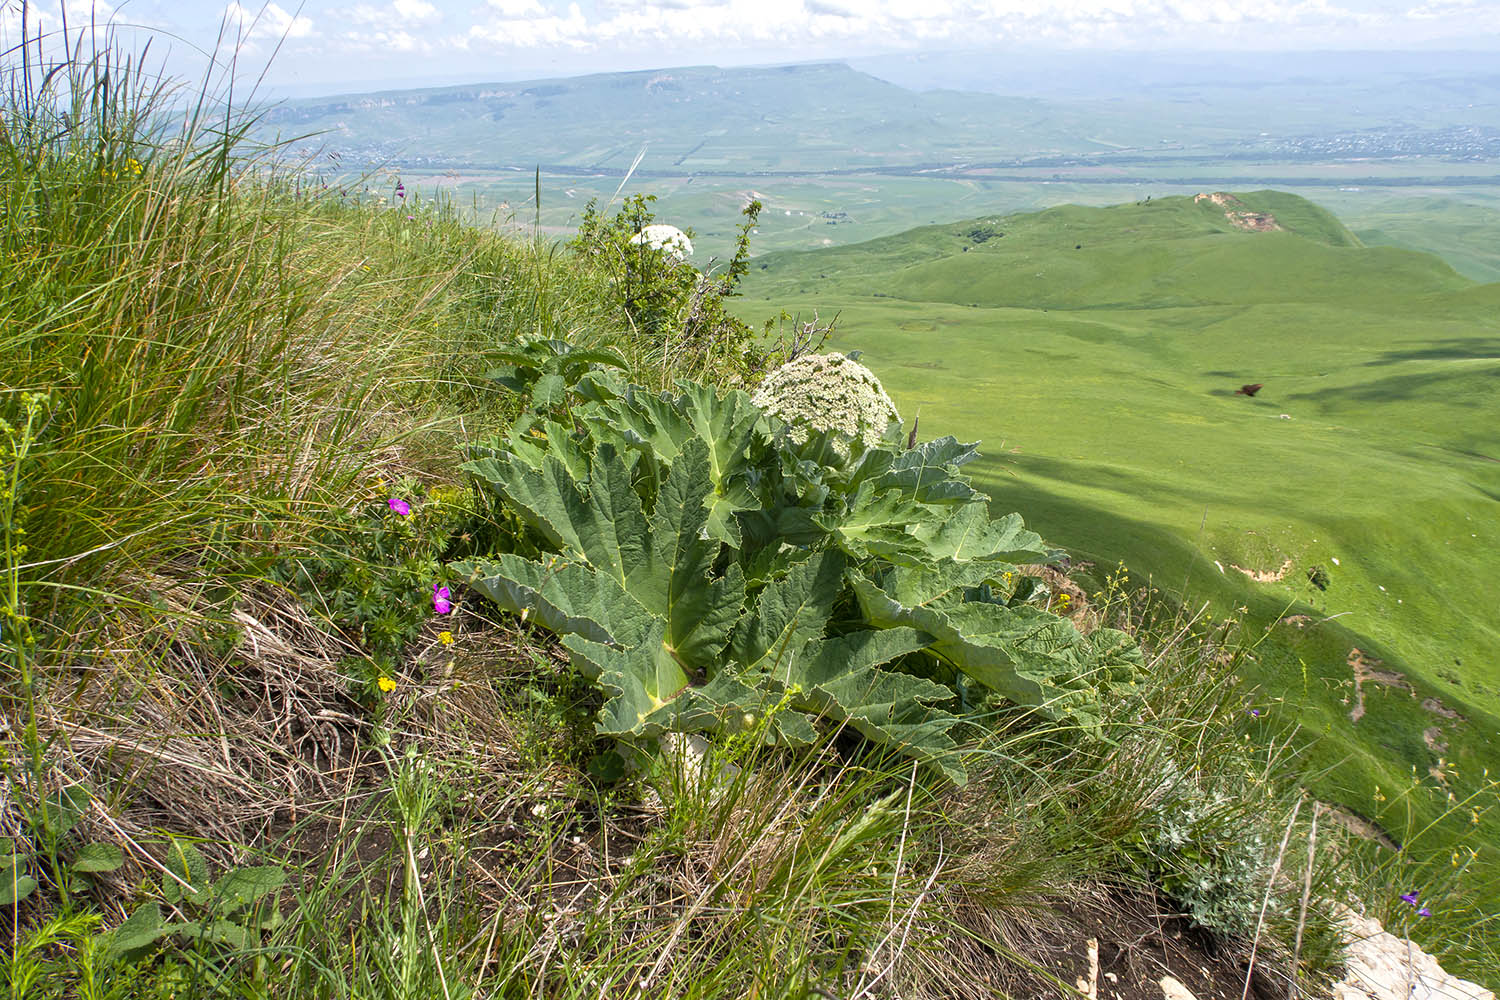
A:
(1096, 353)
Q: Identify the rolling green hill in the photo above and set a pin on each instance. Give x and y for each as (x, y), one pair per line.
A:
(1096, 353)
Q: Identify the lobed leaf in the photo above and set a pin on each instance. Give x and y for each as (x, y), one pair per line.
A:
(566, 597)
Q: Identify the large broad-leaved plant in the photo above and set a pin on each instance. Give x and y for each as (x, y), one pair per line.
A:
(710, 573)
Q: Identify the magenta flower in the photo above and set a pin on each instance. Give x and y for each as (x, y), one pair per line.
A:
(399, 506)
(400, 190)
(442, 601)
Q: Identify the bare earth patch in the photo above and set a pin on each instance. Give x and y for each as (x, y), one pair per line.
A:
(1260, 576)
(1254, 222)
(1364, 671)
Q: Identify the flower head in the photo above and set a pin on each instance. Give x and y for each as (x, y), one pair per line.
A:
(668, 239)
(1424, 912)
(828, 392)
(445, 637)
(400, 190)
(442, 599)
(1409, 897)
(386, 684)
(399, 506)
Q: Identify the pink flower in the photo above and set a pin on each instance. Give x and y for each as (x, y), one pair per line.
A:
(442, 601)
(399, 506)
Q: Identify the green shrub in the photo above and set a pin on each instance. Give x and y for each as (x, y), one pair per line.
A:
(678, 321)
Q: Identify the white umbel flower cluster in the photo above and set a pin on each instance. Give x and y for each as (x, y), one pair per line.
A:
(828, 392)
(668, 239)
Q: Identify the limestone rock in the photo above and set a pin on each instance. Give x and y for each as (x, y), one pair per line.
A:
(1385, 967)
(1171, 989)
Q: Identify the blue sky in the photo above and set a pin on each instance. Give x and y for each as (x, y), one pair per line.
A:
(329, 45)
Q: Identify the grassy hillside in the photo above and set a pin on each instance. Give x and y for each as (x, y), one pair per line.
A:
(1103, 347)
(279, 724)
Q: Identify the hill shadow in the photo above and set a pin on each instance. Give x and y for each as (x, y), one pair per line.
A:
(1452, 349)
(1395, 387)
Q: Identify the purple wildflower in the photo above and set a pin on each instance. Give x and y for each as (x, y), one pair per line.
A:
(1409, 897)
(399, 506)
(1254, 712)
(1424, 912)
(410, 217)
(442, 601)
(400, 190)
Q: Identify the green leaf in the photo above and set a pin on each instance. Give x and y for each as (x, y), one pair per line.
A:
(699, 614)
(640, 681)
(139, 931)
(838, 678)
(242, 886)
(547, 498)
(913, 585)
(227, 933)
(61, 812)
(1027, 655)
(184, 862)
(662, 425)
(791, 612)
(968, 534)
(15, 889)
(15, 884)
(97, 858)
(606, 768)
(549, 391)
(564, 596)
(876, 525)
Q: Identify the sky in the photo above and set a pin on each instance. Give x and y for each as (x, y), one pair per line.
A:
(327, 46)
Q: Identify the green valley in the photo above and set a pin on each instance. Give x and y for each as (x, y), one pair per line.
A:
(1349, 507)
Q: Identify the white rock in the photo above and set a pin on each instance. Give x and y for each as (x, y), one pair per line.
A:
(1171, 989)
(1385, 967)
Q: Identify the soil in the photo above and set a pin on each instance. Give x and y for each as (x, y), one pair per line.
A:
(1254, 222)
(1364, 672)
(1122, 948)
(1259, 576)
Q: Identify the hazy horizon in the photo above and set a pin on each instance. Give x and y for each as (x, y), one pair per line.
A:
(325, 47)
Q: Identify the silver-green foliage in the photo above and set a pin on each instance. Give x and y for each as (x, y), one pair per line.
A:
(710, 571)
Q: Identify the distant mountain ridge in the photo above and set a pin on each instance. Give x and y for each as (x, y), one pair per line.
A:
(818, 116)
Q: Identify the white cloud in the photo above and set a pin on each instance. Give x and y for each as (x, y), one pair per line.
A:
(403, 14)
(778, 25)
(47, 18)
(416, 11)
(270, 21)
(517, 8)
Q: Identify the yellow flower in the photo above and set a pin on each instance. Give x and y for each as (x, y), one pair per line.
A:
(386, 684)
(133, 165)
(445, 637)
